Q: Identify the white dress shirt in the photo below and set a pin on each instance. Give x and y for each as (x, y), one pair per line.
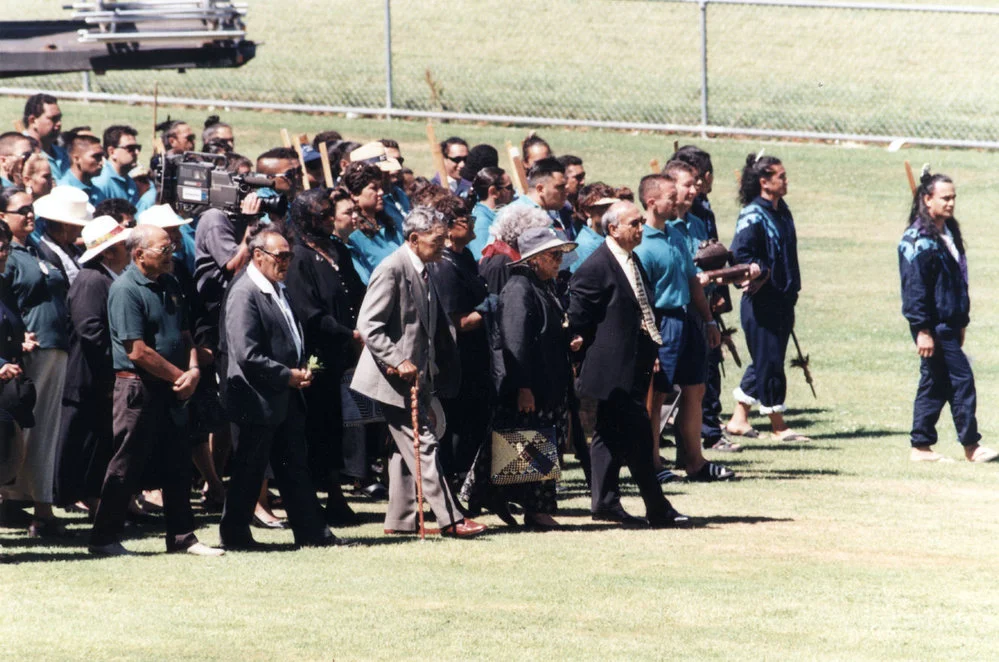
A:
(276, 290)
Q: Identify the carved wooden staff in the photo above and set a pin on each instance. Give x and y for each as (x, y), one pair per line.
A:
(415, 413)
(327, 171)
(436, 154)
(518, 175)
(912, 179)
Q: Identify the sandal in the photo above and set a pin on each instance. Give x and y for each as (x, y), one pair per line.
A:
(789, 435)
(667, 476)
(749, 433)
(723, 445)
(711, 473)
(917, 456)
(983, 454)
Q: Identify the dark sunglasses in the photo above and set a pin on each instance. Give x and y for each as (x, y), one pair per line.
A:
(508, 187)
(23, 211)
(135, 149)
(189, 137)
(283, 256)
(290, 173)
(457, 159)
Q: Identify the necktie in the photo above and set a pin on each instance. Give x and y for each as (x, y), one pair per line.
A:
(648, 320)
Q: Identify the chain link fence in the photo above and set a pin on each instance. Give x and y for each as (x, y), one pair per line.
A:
(756, 67)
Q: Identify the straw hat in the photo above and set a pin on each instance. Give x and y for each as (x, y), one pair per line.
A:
(162, 216)
(100, 234)
(65, 204)
(375, 153)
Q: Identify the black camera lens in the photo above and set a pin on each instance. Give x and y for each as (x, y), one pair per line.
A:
(276, 205)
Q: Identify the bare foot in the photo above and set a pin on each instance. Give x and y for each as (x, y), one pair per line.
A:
(787, 434)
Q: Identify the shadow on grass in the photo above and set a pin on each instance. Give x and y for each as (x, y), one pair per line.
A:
(860, 433)
(734, 519)
(41, 557)
(793, 446)
(788, 474)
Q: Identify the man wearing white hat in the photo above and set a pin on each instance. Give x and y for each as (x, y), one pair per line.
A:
(65, 210)
(86, 434)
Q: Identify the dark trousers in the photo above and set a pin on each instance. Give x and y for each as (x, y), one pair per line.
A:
(86, 444)
(767, 322)
(467, 427)
(945, 377)
(623, 436)
(284, 447)
(148, 421)
(711, 407)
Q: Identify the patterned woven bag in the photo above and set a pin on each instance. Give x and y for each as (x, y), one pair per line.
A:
(524, 456)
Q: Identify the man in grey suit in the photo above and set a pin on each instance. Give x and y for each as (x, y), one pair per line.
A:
(263, 380)
(407, 334)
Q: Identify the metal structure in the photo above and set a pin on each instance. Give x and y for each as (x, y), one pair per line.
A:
(145, 34)
(798, 69)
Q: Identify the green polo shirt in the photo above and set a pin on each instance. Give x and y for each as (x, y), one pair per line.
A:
(153, 311)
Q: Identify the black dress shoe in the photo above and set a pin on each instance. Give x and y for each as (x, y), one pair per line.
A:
(331, 541)
(276, 524)
(621, 517)
(501, 509)
(341, 515)
(249, 545)
(671, 520)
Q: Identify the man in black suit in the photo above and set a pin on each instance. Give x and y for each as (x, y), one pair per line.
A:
(263, 344)
(609, 310)
(86, 435)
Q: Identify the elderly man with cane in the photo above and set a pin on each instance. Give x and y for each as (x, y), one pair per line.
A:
(408, 338)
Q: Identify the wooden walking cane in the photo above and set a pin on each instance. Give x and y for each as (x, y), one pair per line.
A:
(418, 459)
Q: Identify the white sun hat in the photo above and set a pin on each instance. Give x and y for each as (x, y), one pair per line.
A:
(100, 234)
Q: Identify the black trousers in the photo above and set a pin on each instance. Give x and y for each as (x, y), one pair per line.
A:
(711, 407)
(284, 447)
(623, 436)
(148, 421)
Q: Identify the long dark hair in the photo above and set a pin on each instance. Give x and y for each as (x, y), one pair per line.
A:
(305, 219)
(920, 215)
(756, 167)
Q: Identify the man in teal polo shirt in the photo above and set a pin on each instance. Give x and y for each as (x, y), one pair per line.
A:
(683, 354)
(121, 151)
(86, 160)
(693, 229)
(156, 373)
(43, 122)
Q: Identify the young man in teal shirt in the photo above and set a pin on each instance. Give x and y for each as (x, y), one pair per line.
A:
(686, 326)
(121, 152)
(86, 160)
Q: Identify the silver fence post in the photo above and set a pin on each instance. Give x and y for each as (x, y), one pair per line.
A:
(388, 54)
(704, 67)
(86, 83)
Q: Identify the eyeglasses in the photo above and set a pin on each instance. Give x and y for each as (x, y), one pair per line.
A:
(463, 220)
(169, 248)
(508, 187)
(22, 211)
(290, 173)
(283, 257)
(458, 159)
(135, 149)
(189, 137)
(579, 177)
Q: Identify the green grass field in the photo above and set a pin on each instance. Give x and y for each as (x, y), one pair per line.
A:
(843, 71)
(836, 549)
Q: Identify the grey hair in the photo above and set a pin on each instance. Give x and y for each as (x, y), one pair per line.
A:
(511, 222)
(422, 220)
(611, 217)
(258, 236)
(141, 236)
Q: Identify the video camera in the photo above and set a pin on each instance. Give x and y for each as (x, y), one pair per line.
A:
(194, 180)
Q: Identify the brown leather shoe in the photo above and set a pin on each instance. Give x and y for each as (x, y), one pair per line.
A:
(463, 529)
(400, 532)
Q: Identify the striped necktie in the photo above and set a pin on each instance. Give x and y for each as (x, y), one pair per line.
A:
(648, 320)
